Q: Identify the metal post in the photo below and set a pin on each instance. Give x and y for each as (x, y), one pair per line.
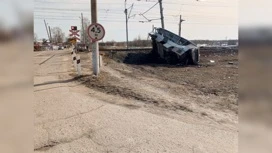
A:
(46, 29)
(95, 52)
(161, 10)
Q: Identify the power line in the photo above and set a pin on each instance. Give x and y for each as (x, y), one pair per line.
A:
(197, 5)
(76, 18)
(70, 14)
(57, 10)
(142, 14)
(121, 21)
(104, 12)
(116, 15)
(116, 3)
(150, 8)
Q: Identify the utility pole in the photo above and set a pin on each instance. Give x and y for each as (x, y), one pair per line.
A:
(46, 29)
(126, 26)
(95, 52)
(83, 32)
(180, 21)
(50, 34)
(161, 10)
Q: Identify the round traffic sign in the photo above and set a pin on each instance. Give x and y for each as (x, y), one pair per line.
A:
(96, 32)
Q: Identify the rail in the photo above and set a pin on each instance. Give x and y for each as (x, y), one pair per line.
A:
(126, 50)
(202, 49)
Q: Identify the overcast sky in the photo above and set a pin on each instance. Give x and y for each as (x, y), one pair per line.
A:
(205, 19)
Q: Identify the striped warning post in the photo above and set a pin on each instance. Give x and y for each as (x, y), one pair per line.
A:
(78, 65)
(76, 62)
(74, 59)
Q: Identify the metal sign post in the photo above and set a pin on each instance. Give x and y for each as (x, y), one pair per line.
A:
(96, 32)
(95, 52)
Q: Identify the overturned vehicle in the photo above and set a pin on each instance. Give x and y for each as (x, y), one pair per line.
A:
(173, 48)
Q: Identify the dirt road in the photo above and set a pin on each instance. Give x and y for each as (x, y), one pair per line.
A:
(132, 108)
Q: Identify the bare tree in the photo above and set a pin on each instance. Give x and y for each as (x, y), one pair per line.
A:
(57, 35)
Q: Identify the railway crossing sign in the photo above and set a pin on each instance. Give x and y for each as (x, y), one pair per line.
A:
(96, 32)
(74, 34)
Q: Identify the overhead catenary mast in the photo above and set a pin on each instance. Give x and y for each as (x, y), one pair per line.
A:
(127, 18)
(180, 21)
(161, 11)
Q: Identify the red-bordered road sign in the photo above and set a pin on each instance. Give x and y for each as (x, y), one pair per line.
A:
(96, 31)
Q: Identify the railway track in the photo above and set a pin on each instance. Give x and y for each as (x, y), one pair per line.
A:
(205, 49)
(125, 50)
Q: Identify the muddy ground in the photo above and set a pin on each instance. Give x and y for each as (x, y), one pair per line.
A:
(207, 92)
